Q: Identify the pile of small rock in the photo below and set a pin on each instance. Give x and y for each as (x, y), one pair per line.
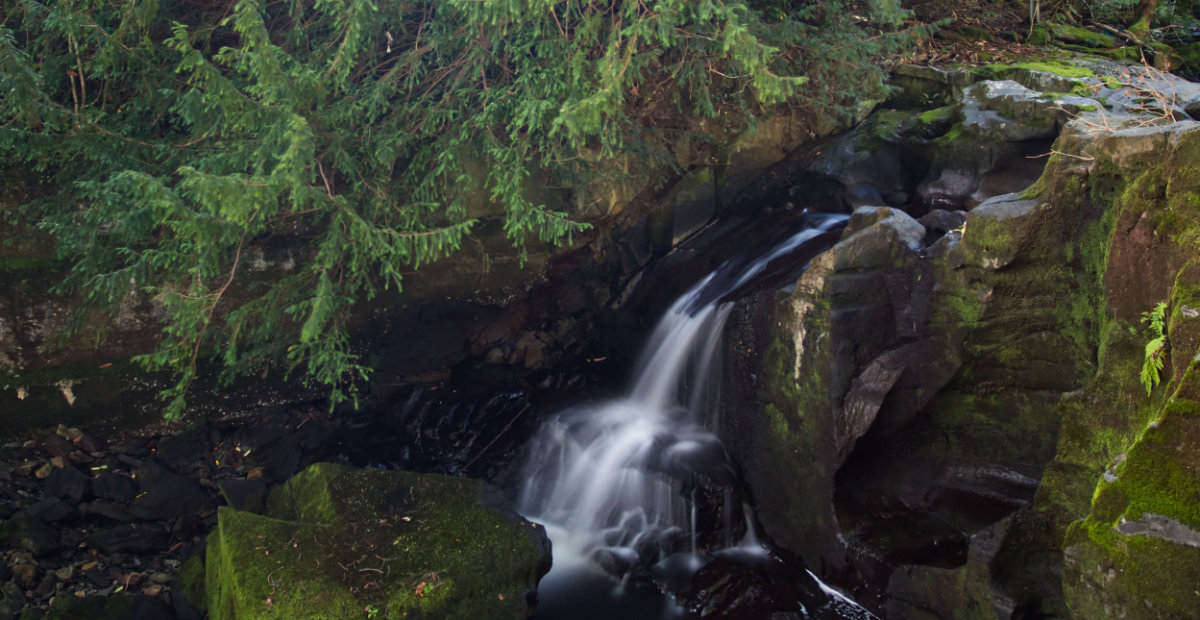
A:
(83, 518)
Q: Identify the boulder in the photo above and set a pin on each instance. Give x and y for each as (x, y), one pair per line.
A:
(996, 230)
(30, 534)
(165, 494)
(120, 607)
(338, 542)
(1137, 553)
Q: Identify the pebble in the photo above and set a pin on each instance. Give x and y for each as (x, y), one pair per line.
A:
(46, 587)
(26, 575)
(130, 461)
(72, 434)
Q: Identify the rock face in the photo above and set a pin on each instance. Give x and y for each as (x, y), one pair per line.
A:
(339, 542)
(934, 410)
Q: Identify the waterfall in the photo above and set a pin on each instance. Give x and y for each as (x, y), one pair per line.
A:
(620, 483)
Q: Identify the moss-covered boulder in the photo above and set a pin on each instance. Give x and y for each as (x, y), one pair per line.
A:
(1023, 413)
(1136, 553)
(340, 542)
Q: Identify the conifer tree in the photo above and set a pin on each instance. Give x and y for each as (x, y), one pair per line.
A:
(179, 135)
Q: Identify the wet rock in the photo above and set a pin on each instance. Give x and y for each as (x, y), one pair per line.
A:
(95, 576)
(183, 607)
(733, 587)
(31, 535)
(878, 237)
(46, 586)
(129, 461)
(110, 608)
(185, 453)
(495, 355)
(916, 85)
(116, 487)
(998, 228)
(187, 526)
(110, 510)
(130, 446)
(52, 510)
(271, 444)
(25, 575)
(67, 483)
(1006, 111)
(11, 599)
(43, 471)
(57, 445)
(89, 444)
(248, 495)
(69, 433)
(130, 538)
(938, 222)
(165, 494)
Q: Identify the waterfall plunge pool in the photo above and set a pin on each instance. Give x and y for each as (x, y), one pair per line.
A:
(642, 505)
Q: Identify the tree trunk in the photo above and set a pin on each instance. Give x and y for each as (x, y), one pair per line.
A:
(1145, 13)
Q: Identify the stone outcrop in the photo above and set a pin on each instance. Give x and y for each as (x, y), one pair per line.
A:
(339, 542)
(968, 402)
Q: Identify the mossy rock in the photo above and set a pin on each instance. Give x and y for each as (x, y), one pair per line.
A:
(1137, 554)
(121, 607)
(1081, 36)
(998, 228)
(340, 542)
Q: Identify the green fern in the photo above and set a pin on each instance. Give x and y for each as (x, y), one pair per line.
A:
(1156, 349)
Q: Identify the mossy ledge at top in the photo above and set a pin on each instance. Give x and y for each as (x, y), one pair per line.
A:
(340, 542)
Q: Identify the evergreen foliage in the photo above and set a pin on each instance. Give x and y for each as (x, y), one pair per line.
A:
(180, 136)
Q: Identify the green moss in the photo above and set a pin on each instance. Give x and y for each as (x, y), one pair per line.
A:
(1110, 575)
(975, 33)
(1160, 474)
(339, 541)
(1039, 35)
(192, 575)
(1062, 69)
(955, 133)
(938, 115)
(1081, 36)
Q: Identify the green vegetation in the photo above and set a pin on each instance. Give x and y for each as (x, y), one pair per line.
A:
(1063, 69)
(339, 542)
(371, 138)
(1156, 348)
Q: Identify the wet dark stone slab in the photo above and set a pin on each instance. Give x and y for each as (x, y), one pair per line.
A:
(165, 494)
(249, 495)
(31, 535)
(52, 510)
(130, 538)
(67, 483)
(115, 487)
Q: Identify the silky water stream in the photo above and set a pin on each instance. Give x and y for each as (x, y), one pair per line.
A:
(637, 493)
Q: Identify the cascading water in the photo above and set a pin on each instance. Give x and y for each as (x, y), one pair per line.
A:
(624, 484)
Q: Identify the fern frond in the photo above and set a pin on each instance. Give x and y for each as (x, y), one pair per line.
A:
(1152, 362)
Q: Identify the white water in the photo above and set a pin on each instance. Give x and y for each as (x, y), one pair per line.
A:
(614, 481)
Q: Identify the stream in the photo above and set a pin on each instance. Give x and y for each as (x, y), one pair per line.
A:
(637, 493)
